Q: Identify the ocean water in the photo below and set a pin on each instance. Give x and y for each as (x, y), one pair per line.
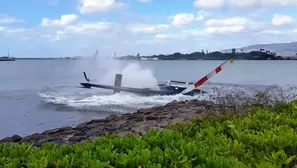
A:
(36, 95)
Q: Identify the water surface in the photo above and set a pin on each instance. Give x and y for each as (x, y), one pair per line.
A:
(36, 95)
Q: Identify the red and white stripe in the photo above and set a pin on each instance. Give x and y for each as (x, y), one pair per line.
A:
(208, 76)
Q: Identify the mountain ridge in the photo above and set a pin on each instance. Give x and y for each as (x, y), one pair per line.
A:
(282, 49)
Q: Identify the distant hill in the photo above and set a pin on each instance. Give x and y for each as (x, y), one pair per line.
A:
(281, 49)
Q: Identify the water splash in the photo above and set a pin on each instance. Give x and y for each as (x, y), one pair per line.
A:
(103, 70)
(120, 102)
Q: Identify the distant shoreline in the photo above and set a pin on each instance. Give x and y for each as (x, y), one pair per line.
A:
(253, 55)
(236, 55)
(36, 58)
(156, 60)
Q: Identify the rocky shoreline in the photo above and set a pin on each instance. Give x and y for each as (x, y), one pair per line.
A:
(138, 122)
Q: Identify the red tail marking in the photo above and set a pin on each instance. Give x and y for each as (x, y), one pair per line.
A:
(218, 69)
(201, 81)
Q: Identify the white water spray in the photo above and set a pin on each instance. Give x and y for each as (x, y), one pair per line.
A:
(134, 75)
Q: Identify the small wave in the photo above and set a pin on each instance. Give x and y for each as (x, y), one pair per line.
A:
(120, 102)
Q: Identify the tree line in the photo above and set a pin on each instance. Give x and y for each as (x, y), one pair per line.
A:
(253, 55)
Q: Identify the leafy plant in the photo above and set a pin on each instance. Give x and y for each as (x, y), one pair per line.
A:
(263, 137)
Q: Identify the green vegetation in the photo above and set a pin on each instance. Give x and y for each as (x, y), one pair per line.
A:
(253, 55)
(262, 137)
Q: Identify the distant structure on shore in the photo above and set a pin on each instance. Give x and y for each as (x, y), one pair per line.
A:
(60, 58)
(7, 58)
(138, 57)
(94, 56)
(143, 58)
(71, 58)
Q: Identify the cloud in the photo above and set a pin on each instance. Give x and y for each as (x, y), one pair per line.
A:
(89, 28)
(271, 32)
(214, 27)
(18, 30)
(236, 24)
(244, 3)
(146, 42)
(209, 3)
(158, 33)
(82, 29)
(69, 25)
(14, 30)
(194, 33)
(262, 3)
(25, 38)
(147, 28)
(7, 20)
(144, 1)
(182, 19)
(225, 29)
(169, 36)
(50, 37)
(53, 2)
(95, 6)
(278, 33)
(63, 21)
(201, 15)
(279, 20)
(15, 33)
(210, 31)
(154, 31)
(226, 22)
(233, 24)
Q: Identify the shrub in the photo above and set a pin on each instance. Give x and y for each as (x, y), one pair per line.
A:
(264, 137)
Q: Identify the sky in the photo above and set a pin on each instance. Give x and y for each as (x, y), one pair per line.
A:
(62, 28)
